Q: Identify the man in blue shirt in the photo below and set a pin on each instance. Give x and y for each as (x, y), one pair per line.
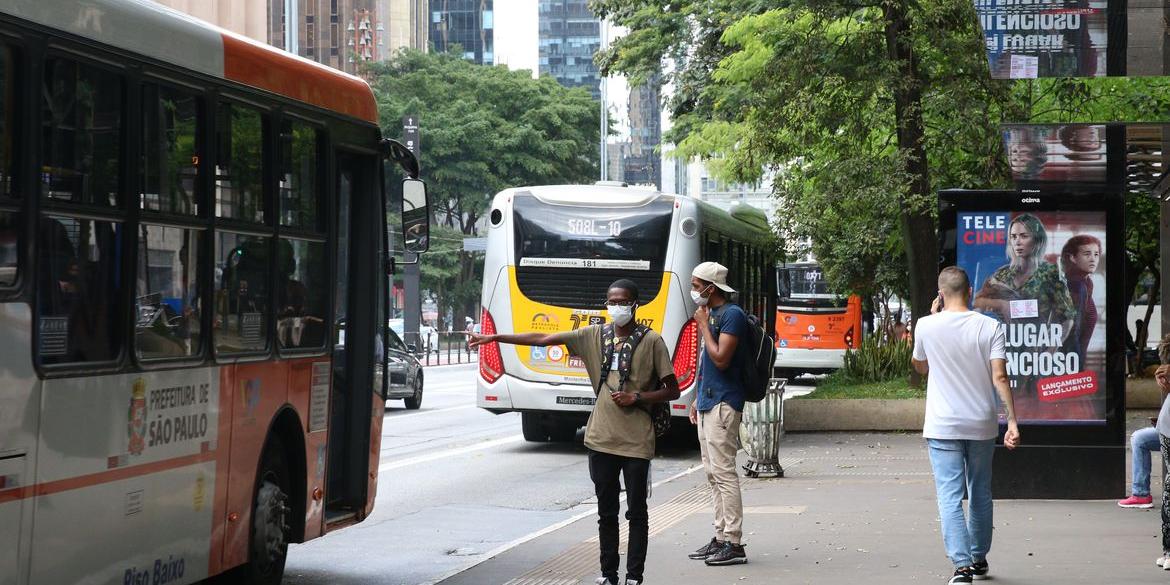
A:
(718, 407)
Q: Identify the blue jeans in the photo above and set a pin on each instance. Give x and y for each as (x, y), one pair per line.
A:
(963, 467)
(1143, 443)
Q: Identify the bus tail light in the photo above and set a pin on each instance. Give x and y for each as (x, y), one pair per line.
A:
(686, 355)
(491, 363)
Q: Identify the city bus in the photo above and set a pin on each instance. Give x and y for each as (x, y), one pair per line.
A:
(552, 252)
(814, 325)
(188, 221)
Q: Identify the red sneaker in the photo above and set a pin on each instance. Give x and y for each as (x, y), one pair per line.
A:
(1137, 502)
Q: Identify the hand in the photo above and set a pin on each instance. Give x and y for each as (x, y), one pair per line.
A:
(622, 398)
(1162, 376)
(702, 316)
(936, 305)
(1011, 438)
(694, 414)
(476, 339)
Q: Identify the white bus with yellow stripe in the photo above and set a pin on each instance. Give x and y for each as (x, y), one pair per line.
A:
(553, 251)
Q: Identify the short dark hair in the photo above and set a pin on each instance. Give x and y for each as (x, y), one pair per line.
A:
(954, 280)
(626, 285)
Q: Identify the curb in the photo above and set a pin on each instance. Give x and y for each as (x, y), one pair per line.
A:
(860, 414)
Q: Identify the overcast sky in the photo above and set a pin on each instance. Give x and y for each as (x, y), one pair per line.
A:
(517, 44)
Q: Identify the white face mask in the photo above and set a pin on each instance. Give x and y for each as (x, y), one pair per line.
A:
(620, 315)
(698, 297)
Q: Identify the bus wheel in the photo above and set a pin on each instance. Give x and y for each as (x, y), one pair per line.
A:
(268, 544)
(414, 401)
(532, 425)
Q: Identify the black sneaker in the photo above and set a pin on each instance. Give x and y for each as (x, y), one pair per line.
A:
(964, 575)
(979, 569)
(728, 554)
(708, 549)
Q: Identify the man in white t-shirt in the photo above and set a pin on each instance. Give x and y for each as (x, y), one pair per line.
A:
(964, 353)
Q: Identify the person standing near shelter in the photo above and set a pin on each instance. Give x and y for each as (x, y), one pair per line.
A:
(718, 408)
(963, 351)
(631, 363)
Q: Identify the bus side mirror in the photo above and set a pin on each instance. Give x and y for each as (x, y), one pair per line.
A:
(416, 227)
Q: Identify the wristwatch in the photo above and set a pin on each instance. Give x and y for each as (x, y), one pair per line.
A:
(637, 397)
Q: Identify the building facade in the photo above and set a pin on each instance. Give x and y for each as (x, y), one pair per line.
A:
(468, 24)
(249, 19)
(643, 163)
(570, 35)
(347, 34)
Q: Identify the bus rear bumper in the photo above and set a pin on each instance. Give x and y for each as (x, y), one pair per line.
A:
(809, 360)
(511, 394)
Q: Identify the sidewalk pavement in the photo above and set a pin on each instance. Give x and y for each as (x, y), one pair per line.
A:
(853, 508)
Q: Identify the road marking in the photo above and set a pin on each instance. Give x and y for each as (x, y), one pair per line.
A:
(398, 417)
(591, 510)
(448, 453)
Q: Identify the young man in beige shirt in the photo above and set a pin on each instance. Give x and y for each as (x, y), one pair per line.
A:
(620, 432)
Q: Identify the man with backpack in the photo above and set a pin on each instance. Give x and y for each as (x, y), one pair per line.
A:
(718, 406)
(629, 361)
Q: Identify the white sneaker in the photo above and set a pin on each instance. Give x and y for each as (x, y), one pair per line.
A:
(633, 582)
(603, 581)
(1163, 561)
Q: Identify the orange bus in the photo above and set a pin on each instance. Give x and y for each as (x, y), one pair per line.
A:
(188, 221)
(814, 326)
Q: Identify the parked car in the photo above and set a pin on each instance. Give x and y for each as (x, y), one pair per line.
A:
(406, 373)
(405, 380)
(427, 336)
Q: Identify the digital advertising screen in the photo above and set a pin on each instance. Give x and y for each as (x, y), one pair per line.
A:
(1068, 153)
(1045, 38)
(1042, 273)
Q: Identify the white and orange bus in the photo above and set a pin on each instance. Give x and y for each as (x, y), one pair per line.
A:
(188, 220)
(814, 326)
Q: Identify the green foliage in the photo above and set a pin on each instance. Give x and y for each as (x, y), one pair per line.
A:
(482, 129)
(878, 361)
(838, 386)
(809, 90)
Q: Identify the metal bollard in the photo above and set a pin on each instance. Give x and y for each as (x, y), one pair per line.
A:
(762, 428)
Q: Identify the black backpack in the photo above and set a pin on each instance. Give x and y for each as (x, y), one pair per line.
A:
(659, 411)
(757, 374)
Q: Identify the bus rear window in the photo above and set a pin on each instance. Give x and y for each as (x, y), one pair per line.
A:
(564, 236)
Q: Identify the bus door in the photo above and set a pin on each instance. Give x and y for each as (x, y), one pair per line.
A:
(355, 425)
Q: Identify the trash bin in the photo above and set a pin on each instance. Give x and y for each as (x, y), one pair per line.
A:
(762, 428)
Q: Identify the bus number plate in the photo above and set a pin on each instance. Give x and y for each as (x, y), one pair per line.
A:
(576, 400)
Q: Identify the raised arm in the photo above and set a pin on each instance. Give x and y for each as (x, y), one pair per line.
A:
(477, 339)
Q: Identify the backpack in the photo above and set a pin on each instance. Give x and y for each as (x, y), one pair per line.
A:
(761, 359)
(659, 411)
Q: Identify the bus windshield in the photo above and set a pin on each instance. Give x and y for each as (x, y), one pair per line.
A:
(806, 285)
(570, 236)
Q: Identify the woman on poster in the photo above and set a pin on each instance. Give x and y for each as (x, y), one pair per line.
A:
(1079, 260)
(1009, 290)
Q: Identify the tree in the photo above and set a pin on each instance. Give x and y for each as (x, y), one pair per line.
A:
(483, 129)
(863, 109)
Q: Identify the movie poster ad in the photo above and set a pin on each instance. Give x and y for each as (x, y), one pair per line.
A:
(1028, 39)
(1071, 153)
(1042, 274)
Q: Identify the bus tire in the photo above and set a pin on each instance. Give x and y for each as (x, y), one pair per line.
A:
(270, 531)
(414, 401)
(532, 425)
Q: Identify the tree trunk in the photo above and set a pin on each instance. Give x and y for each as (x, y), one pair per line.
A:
(1154, 296)
(917, 223)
